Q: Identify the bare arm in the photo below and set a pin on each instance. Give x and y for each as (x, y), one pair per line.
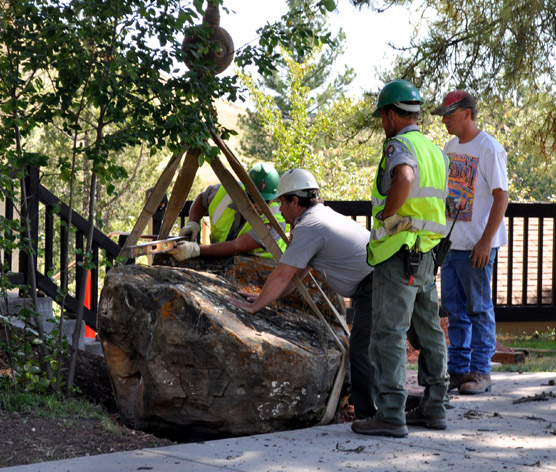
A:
(241, 245)
(197, 211)
(279, 283)
(480, 254)
(400, 189)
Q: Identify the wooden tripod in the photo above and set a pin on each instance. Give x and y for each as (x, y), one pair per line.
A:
(181, 190)
(178, 197)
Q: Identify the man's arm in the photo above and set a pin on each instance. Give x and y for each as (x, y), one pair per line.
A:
(241, 245)
(197, 211)
(480, 254)
(399, 190)
(278, 284)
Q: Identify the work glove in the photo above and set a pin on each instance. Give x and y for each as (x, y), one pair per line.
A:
(185, 250)
(396, 223)
(191, 230)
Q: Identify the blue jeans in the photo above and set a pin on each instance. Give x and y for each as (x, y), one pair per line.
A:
(466, 296)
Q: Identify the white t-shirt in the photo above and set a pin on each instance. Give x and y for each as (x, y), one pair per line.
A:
(476, 169)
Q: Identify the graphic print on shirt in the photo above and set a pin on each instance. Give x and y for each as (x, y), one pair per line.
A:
(462, 182)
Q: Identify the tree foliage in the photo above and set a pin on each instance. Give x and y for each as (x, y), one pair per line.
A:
(500, 50)
(107, 76)
(330, 143)
(321, 85)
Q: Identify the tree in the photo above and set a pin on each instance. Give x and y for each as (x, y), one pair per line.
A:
(106, 74)
(329, 143)
(501, 50)
(322, 88)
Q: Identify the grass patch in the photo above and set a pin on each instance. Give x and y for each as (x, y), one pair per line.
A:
(49, 406)
(540, 346)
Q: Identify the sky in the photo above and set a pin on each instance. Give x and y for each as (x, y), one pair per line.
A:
(367, 34)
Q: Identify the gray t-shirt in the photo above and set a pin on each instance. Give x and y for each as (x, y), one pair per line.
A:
(332, 244)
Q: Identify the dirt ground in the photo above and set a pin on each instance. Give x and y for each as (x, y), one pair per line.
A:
(28, 439)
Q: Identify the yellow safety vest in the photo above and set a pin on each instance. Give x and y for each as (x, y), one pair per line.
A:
(222, 218)
(425, 205)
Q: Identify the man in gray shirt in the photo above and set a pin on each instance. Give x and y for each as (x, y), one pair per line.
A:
(336, 247)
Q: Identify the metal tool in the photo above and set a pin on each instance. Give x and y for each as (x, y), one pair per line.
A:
(154, 247)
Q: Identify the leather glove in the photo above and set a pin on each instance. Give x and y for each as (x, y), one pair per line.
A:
(191, 230)
(396, 223)
(185, 250)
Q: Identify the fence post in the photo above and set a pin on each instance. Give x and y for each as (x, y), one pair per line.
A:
(30, 210)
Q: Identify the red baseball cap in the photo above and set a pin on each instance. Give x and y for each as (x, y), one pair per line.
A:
(453, 101)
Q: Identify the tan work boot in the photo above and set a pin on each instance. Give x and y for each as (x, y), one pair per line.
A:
(480, 383)
(456, 380)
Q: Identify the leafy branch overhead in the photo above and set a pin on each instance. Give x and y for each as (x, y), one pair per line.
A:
(501, 50)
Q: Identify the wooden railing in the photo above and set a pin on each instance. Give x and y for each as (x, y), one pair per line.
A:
(524, 280)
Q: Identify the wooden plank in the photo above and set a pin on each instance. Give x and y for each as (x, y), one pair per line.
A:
(180, 192)
(152, 203)
(508, 357)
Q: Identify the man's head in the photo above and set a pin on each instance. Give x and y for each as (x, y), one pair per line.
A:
(454, 100)
(459, 112)
(297, 191)
(266, 178)
(399, 103)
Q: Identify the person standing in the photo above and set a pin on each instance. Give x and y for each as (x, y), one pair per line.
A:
(230, 233)
(335, 246)
(408, 223)
(478, 184)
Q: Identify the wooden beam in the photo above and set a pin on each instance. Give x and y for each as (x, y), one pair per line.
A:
(180, 192)
(152, 203)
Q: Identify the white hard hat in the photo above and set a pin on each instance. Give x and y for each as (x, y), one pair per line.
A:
(297, 182)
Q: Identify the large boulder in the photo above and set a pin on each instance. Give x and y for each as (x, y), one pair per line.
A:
(186, 363)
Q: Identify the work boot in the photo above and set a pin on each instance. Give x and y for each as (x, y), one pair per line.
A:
(375, 427)
(480, 383)
(416, 417)
(456, 380)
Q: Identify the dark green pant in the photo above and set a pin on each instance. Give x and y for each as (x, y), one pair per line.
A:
(361, 370)
(401, 310)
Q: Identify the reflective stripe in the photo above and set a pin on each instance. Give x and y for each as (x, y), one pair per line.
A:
(422, 225)
(376, 202)
(424, 192)
(220, 209)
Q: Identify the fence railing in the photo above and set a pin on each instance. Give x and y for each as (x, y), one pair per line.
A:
(49, 218)
(524, 275)
(524, 280)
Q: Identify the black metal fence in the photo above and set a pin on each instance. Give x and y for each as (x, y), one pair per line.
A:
(524, 276)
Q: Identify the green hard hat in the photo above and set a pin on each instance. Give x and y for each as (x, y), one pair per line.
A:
(266, 178)
(397, 91)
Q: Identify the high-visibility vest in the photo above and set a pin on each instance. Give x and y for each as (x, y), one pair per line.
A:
(425, 205)
(222, 218)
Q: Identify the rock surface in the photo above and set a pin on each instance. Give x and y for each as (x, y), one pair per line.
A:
(186, 363)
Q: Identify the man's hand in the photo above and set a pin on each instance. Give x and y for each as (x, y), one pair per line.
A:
(191, 230)
(247, 306)
(185, 250)
(396, 223)
(480, 254)
(250, 297)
